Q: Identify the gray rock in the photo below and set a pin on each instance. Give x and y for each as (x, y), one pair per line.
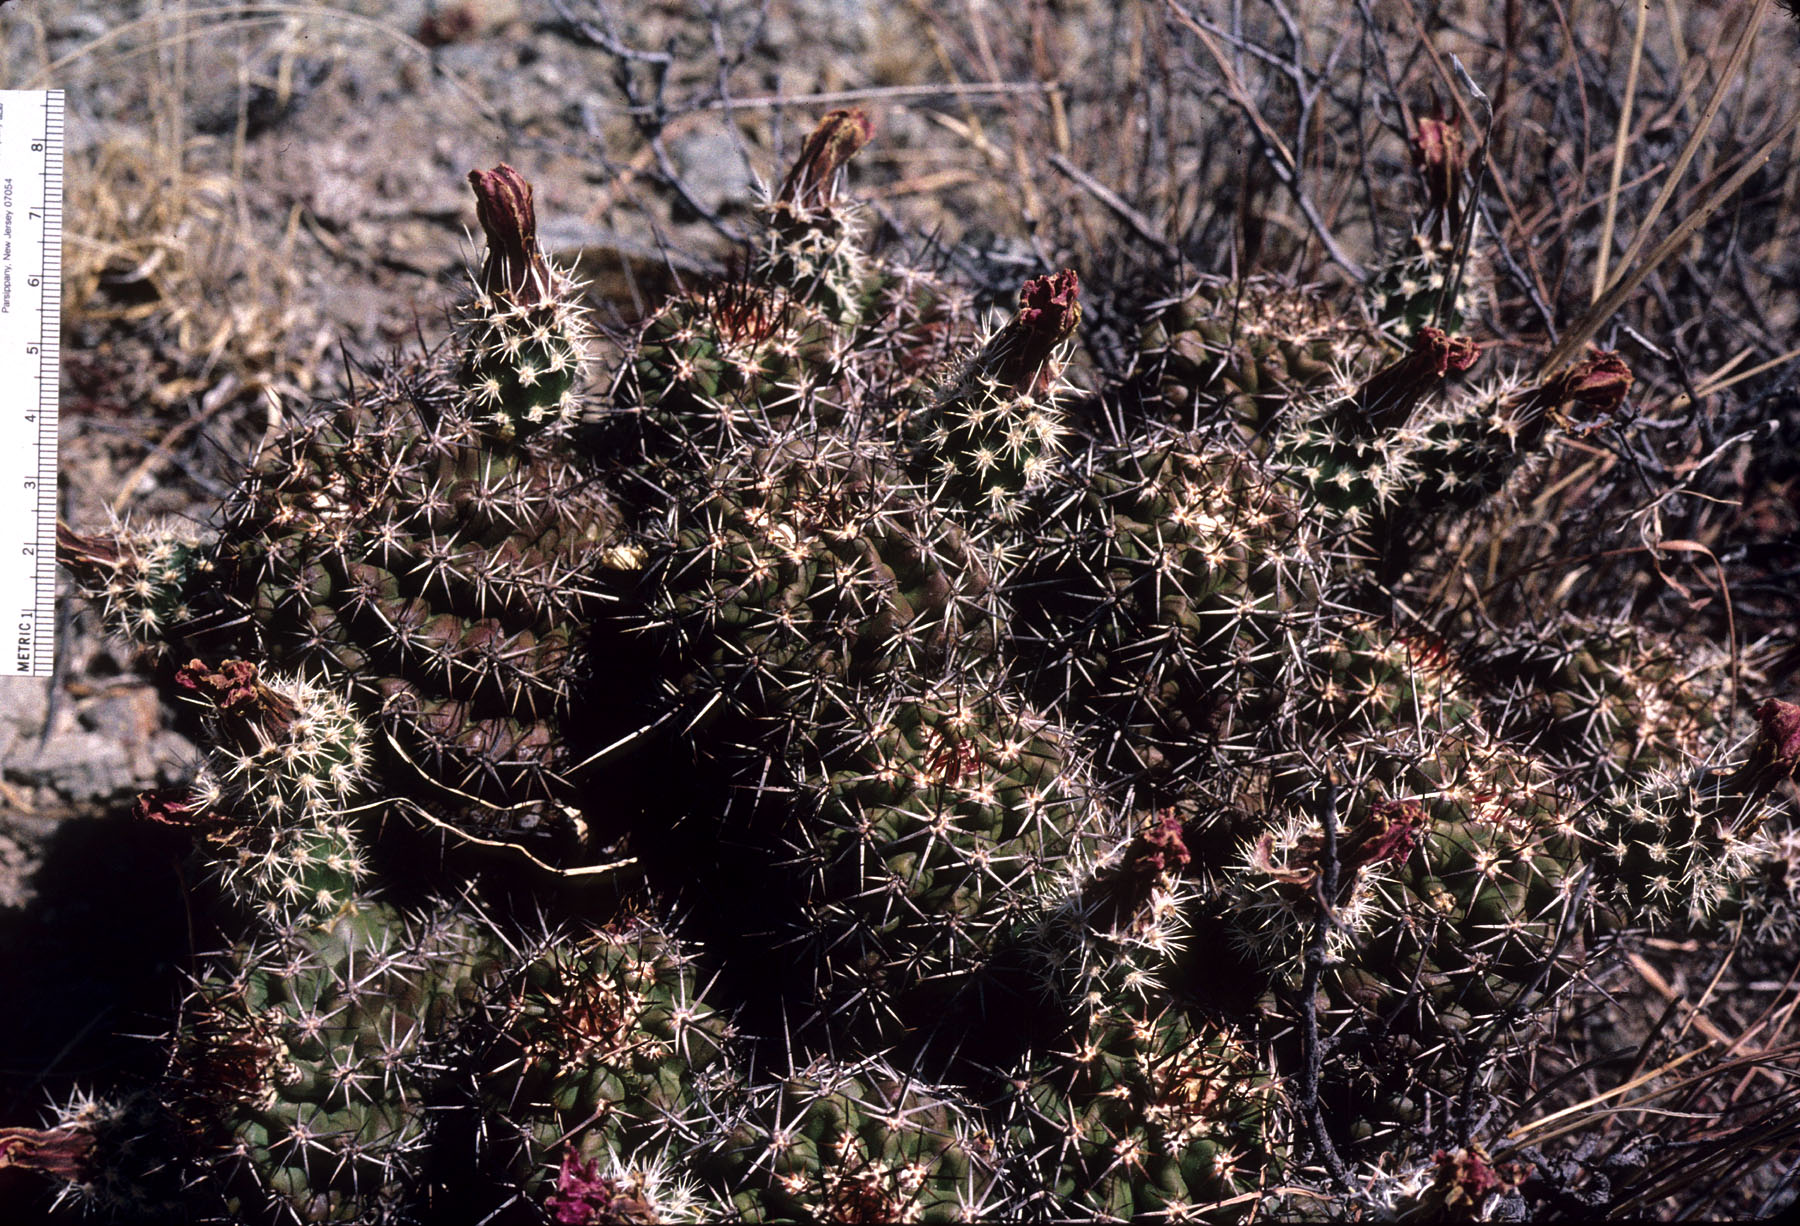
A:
(83, 767)
(23, 702)
(848, 28)
(172, 759)
(15, 866)
(102, 749)
(713, 167)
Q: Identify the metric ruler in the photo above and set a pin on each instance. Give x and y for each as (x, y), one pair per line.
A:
(31, 194)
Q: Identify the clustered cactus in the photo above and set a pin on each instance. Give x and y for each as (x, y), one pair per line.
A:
(810, 780)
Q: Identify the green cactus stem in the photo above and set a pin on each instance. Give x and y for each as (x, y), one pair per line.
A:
(525, 345)
(145, 581)
(994, 431)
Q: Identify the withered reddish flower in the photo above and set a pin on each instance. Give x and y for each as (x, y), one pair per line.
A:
(1598, 384)
(236, 691)
(1049, 313)
(1440, 156)
(1781, 730)
(584, 1197)
(1775, 757)
(1158, 849)
(1465, 1177)
(834, 142)
(177, 807)
(59, 1152)
(1308, 850)
(91, 559)
(1392, 392)
(1390, 832)
(231, 686)
(514, 272)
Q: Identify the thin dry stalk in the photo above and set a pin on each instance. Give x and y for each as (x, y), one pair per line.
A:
(1578, 336)
(1620, 139)
(1701, 127)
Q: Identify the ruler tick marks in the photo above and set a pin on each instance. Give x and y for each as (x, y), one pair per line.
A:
(31, 201)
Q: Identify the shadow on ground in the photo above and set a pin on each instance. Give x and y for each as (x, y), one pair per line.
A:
(89, 972)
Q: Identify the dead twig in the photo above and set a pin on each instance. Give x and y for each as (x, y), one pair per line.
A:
(1274, 151)
(1140, 225)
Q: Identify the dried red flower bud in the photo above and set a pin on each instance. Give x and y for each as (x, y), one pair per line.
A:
(231, 686)
(59, 1152)
(91, 559)
(1775, 757)
(1156, 852)
(1598, 384)
(1308, 849)
(514, 272)
(1440, 157)
(1392, 392)
(1781, 730)
(1049, 313)
(1158, 849)
(834, 142)
(235, 691)
(1390, 832)
(1467, 1177)
(584, 1197)
(177, 807)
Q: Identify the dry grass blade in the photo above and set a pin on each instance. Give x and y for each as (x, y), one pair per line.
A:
(1590, 324)
(1732, 67)
(1713, 1158)
(1587, 1115)
(1720, 380)
(1580, 1115)
(1620, 140)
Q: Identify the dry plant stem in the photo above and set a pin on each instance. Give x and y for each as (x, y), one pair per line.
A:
(1738, 53)
(1279, 158)
(1673, 12)
(609, 42)
(887, 93)
(650, 112)
(1325, 888)
(1459, 261)
(1591, 323)
(1140, 225)
(1620, 139)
